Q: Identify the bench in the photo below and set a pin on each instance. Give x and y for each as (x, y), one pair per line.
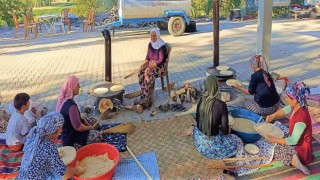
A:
(296, 13)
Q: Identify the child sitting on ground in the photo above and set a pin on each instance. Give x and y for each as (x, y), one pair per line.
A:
(18, 127)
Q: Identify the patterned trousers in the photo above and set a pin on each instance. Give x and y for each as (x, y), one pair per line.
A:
(253, 106)
(146, 80)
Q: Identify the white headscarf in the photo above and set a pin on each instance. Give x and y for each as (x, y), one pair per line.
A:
(159, 42)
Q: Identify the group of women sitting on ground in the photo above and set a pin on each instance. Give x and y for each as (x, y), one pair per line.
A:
(211, 132)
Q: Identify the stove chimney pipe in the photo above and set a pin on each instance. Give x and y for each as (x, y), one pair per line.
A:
(107, 44)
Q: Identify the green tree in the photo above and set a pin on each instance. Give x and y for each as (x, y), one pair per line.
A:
(106, 5)
(82, 7)
(7, 7)
(209, 7)
(197, 7)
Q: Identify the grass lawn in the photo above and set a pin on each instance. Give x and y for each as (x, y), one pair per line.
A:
(54, 9)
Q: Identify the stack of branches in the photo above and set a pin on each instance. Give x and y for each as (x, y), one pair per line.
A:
(187, 93)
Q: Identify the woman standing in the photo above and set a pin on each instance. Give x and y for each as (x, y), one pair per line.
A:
(296, 148)
(211, 134)
(266, 98)
(41, 158)
(76, 130)
(153, 65)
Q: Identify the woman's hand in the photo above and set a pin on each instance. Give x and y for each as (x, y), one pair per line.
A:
(144, 65)
(84, 119)
(241, 89)
(270, 139)
(269, 119)
(153, 64)
(188, 131)
(69, 173)
(90, 127)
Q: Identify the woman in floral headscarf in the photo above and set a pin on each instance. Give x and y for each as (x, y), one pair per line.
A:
(295, 149)
(76, 131)
(266, 98)
(41, 159)
(152, 67)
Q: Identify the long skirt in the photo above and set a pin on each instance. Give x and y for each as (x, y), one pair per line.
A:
(266, 149)
(89, 137)
(146, 81)
(94, 135)
(252, 105)
(283, 152)
(216, 147)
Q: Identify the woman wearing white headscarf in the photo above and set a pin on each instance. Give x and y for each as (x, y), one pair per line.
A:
(262, 87)
(41, 159)
(153, 65)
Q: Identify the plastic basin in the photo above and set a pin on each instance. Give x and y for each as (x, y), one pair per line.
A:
(99, 149)
(247, 137)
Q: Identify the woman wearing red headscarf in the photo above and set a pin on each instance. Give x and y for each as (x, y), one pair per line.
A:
(75, 129)
(266, 98)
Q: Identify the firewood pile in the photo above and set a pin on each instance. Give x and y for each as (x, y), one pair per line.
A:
(187, 93)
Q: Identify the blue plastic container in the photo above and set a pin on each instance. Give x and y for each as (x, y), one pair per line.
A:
(247, 137)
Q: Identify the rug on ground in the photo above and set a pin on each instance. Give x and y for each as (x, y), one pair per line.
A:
(119, 140)
(9, 162)
(177, 157)
(128, 168)
(280, 171)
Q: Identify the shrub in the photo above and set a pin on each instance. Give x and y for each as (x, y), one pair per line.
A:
(82, 7)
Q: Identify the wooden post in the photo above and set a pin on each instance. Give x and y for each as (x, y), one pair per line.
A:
(216, 33)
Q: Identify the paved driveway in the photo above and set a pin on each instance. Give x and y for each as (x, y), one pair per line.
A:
(39, 66)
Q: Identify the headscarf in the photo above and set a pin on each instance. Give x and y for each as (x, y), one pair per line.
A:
(159, 42)
(259, 61)
(48, 124)
(298, 91)
(210, 94)
(66, 91)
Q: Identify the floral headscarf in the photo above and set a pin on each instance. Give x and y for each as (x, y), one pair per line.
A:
(48, 124)
(298, 91)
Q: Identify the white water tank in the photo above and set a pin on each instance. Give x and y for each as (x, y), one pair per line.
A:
(130, 9)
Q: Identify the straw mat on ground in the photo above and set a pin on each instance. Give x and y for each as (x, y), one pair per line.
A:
(177, 157)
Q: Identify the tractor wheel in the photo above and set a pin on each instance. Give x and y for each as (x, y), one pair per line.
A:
(162, 25)
(176, 26)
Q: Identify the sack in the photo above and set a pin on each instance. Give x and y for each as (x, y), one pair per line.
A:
(281, 82)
